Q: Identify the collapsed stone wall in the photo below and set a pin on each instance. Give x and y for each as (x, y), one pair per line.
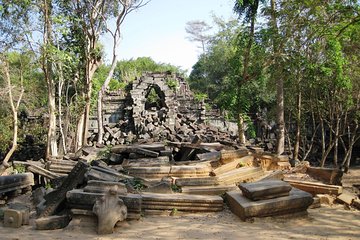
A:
(157, 107)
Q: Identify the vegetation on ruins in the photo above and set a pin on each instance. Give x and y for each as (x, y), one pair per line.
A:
(287, 61)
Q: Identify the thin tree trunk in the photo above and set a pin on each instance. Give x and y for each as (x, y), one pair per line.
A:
(244, 79)
(62, 144)
(336, 144)
(14, 110)
(280, 117)
(51, 149)
(298, 127)
(99, 100)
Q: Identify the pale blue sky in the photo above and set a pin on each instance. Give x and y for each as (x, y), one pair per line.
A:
(157, 30)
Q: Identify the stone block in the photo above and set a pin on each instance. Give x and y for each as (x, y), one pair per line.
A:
(265, 189)
(12, 218)
(109, 209)
(245, 208)
(52, 222)
(346, 198)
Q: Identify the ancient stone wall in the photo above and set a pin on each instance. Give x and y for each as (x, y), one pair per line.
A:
(155, 107)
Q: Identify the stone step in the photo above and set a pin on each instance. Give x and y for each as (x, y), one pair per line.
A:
(235, 163)
(245, 208)
(208, 190)
(229, 155)
(182, 202)
(243, 174)
(265, 189)
(204, 181)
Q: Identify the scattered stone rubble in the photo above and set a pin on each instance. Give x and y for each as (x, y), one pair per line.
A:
(166, 156)
(137, 180)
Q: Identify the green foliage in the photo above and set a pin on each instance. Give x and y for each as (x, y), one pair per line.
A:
(173, 212)
(104, 154)
(200, 97)
(175, 188)
(137, 184)
(20, 168)
(152, 96)
(172, 84)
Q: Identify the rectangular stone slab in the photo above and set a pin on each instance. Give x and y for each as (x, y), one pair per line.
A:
(315, 187)
(185, 198)
(15, 180)
(78, 197)
(208, 190)
(228, 155)
(209, 156)
(104, 186)
(265, 189)
(239, 175)
(204, 181)
(235, 163)
(245, 208)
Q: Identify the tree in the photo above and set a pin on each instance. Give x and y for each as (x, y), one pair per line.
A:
(197, 31)
(14, 102)
(249, 8)
(125, 7)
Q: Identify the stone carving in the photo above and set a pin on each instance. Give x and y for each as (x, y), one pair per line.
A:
(109, 209)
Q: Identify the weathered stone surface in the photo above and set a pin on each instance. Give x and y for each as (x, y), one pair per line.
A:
(182, 202)
(105, 174)
(245, 208)
(208, 190)
(203, 181)
(233, 164)
(160, 187)
(239, 175)
(24, 210)
(229, 155)
(52, 222)
(104, 186)
(210, 156)
(356, 204)
(15, 182)
(12, 218)
(314, 187)
(346, 198)
(326, 199)
(79, 199)
(109, 209)
(265, 189)
(327, 175)
(75, 177)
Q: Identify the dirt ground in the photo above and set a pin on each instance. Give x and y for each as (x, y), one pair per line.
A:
(321, 223)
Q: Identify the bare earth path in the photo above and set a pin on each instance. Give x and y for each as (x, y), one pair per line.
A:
(321, 223)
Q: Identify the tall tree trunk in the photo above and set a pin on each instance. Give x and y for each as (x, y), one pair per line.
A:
(14, 110)
(244, 78)
(51, 149)
(280, 118)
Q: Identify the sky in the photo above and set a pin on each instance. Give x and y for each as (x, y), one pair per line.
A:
(157, 30)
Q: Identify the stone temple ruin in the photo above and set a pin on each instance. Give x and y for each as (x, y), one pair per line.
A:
(158, 107)
(169, 153)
